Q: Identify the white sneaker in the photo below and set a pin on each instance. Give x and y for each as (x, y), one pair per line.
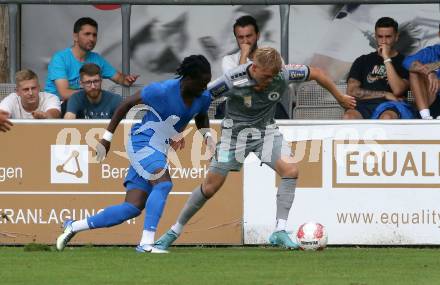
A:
(429, 118)
(438, 118)
(148, 248)
(66, 236)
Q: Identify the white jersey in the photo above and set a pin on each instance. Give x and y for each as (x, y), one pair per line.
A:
(247, 107)
(231, 61)
(12, 105)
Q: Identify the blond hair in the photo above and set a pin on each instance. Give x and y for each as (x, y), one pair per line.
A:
(268, 58)
(25, 74)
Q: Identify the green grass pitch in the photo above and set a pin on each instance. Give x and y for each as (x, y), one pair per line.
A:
(220, 265)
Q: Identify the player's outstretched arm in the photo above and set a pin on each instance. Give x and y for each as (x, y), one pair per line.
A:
(219, 87)
(202, 123)
(121, 111)
(346, 101)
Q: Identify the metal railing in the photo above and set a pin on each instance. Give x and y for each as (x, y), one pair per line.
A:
(219, 2)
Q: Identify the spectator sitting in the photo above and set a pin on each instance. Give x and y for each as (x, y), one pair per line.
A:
(378, 80)
(424, 76)
(247, 34)
(28, 102)
(63, 69)
(92, 102)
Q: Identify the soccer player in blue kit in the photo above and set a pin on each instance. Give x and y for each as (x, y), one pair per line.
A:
(171, 104)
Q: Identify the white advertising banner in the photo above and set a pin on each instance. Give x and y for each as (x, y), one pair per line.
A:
(378, 183)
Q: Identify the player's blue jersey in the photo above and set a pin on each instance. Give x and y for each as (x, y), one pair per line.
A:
(168, 115)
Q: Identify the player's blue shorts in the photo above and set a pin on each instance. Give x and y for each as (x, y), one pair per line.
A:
(401, 108)
(373, 108)
(142, 167)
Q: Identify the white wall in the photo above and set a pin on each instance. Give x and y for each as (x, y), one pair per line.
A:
(390, 204)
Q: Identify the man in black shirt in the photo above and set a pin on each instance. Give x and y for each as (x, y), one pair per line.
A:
(378, 80)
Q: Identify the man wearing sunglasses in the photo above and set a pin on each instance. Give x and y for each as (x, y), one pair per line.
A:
(91, 102)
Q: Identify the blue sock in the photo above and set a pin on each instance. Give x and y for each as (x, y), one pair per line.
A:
(113, 215)
(155, 204)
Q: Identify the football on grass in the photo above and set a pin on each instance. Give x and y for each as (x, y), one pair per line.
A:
(312, 236)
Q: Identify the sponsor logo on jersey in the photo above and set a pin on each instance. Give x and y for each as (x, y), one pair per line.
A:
(219, 89)
(238, 75)
(239, 78)
(297, 74)
(247, 100)
(273, 96)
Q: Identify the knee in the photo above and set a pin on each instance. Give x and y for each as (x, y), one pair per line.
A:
(164, 185)
(350, 115)
(209, 189)
(388, 116)
(163, 188)
(138, 204)
(291, 171)
(213, 183)
(347, 116)
(130, 210)
(135, 201)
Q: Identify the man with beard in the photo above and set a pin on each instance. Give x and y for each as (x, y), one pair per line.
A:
(92, 102)
(63, 70)
(246, 33)
(378, 80)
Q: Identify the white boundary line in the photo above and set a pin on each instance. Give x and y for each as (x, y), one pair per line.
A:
(74, 193)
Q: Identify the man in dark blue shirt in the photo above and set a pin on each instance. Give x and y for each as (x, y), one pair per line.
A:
(91, 102)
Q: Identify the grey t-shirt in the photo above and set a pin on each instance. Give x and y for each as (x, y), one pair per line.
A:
(79, 105)
(248, 108)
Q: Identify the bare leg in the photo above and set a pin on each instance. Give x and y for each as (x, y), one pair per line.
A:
(352, 115)
(419, 87)
(212, 184)
(389, 115)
